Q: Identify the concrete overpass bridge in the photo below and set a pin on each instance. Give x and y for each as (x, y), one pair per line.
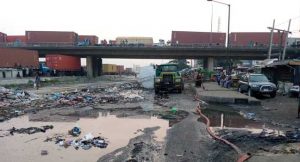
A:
(94, 54)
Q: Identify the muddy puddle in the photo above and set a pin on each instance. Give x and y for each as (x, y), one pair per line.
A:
(231, 118)
(117, 131)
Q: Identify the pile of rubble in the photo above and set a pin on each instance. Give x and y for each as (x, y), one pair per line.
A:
(13, 101)
(16, 102)
(9, 97)
(124, 93)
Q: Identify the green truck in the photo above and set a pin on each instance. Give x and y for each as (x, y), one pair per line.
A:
(167, 78)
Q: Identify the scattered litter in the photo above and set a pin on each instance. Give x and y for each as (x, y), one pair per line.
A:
(44, 152)
(30, 130)
(174, 110)
(250, 116)
(293, 135)
(85, 143)
(75, 131)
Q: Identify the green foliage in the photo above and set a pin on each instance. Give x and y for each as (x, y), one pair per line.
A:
(182, 63)
(206, 73)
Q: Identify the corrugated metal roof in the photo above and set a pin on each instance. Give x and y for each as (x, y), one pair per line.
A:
(285, 62)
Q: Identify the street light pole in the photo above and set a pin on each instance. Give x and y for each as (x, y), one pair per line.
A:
(228, 27)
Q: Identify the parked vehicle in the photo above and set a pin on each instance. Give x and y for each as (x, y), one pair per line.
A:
(255, 39)
(109, 69)
(51, 38)
(168, 78)
(294, 91)
(64, 65)
(134, 41)
(87, 40)
(198, 39)
(256, 84)
(44, 69)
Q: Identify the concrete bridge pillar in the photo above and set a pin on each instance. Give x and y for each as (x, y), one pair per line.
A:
(93, 66)
(208, 63)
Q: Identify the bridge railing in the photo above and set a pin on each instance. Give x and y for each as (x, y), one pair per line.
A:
(191, 45)
(48, 44)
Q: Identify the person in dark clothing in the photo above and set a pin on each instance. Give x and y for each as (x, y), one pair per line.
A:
(37, 80)
(199, 80)
(18, 75)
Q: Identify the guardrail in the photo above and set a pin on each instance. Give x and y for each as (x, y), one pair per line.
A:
(67, 44)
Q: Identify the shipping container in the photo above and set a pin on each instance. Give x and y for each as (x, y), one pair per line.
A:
(109, 69)
(128, 70)
(256, 39)
(91, 38)
(120, 68)
(63, 62)
(3, 37)
(51, 37)
(16, 38)
(135, 41)
(12, 58)
(189, 38)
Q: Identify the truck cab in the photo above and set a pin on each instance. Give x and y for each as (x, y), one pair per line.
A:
(168, 78)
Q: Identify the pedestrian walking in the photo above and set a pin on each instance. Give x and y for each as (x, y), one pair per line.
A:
(199, 80)
(37, 81)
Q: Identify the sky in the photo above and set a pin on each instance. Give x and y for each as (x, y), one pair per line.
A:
(109, 19)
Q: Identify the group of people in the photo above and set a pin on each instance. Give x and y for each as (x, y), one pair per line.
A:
(224, 80)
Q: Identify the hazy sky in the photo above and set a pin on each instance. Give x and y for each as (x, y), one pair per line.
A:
(156, 18)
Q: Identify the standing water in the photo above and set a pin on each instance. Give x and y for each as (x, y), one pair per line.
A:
(117, 131)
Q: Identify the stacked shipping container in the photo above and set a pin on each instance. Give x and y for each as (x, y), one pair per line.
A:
(49, 37)
(256, 39)
(92, 38)
(63, 62)
(16, 38)
(187, 38)
(11, 58)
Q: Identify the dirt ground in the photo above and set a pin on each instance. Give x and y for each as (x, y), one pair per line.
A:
(152, 127)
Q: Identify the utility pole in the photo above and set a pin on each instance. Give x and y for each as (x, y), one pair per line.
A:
(286, 39)
(271, 40)
(280, 35)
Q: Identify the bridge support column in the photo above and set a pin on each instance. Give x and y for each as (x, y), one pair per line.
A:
(208, 63)
(93, 66)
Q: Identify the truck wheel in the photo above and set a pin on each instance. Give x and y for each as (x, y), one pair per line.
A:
(240, 89)
(273, 94)
(250, 92)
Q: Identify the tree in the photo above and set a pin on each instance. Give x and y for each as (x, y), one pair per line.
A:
(182, 63)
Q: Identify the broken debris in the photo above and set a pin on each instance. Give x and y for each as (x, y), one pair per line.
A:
(30, 130)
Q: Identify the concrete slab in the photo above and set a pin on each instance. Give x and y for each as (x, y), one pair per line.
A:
(213, 93)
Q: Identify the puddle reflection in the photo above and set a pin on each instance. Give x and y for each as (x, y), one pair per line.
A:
(118, 131)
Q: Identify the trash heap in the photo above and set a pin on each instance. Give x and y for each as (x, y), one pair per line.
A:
(17, 97)
(87, 142)
(16, 102)
(30, 130)
(126, 92)
(13, 101)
